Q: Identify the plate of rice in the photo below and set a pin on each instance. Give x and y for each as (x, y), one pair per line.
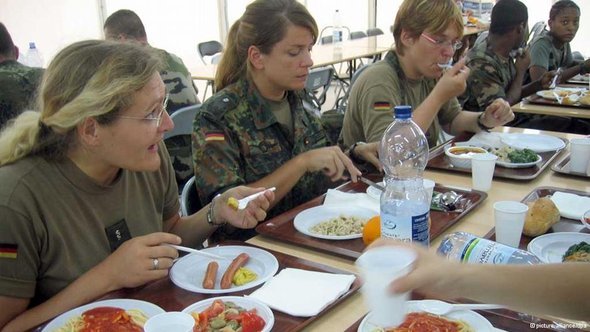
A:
(333, 222)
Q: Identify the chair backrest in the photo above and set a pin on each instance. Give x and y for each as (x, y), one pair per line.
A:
(357, 35)
(481, 38)
(326, 40)
(342, 102)
(374, 32)
(318, 82)
(577, 56)
(189, 198)
(208, 49)
(326, 34)
(536, 30)
(183, 121)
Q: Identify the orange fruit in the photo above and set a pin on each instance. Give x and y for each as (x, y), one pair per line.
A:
(372, 230)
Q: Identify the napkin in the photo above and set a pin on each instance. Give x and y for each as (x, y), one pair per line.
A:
(571, 206)
(303, 293)
(486, 139)
(338, 197)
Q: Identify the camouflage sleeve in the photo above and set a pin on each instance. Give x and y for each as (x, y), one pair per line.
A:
(484, 84)
(216, 155)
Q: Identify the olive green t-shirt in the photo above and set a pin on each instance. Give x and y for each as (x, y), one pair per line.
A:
(56, 222)
(374, 94)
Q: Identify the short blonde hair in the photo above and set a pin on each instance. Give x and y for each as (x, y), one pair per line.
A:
(417, 16)
(93, 78)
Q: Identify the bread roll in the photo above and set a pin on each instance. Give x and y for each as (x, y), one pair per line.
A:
(541, 216)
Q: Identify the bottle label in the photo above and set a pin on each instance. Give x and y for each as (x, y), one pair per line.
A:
(483, 251)
(406, 228)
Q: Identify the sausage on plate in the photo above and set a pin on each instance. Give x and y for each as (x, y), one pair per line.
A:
(210, 275)
(237, 263)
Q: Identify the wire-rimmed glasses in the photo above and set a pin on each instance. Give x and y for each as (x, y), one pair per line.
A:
(455, 45)
(155, 115)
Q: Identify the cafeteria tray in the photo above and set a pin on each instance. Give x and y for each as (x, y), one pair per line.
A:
(171, 298)
(281, 227)
(438, 160)
(562, 166)
(534, 99)
(563, 225)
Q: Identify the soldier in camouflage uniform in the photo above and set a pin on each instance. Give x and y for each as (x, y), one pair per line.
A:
(18, 83)
(255, 130)
(497, 64)
(126, 25)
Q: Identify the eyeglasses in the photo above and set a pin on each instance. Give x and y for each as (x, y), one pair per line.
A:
(455, 45)
(155, 115)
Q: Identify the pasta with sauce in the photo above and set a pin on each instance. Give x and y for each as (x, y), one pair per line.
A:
(339, 226)
(424, 322)
(106, 319)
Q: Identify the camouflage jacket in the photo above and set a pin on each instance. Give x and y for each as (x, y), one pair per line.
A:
(237, 140)
(18, 87)
(179, 83)
(490, 77)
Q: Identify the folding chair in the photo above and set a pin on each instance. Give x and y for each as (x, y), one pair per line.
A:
(189, 198)
(536, 30)
(317, 84)
(374, 32)
(342, 102)
(183, 121)
(357, 35)
(210, 50)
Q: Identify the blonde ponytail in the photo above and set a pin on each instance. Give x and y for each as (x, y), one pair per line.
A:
(19, 137)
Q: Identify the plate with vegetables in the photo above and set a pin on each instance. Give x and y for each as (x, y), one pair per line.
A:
(514, 158)
(231, 313)
(561, 247)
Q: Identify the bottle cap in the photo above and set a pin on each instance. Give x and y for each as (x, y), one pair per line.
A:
(32, 45)
(403, 112)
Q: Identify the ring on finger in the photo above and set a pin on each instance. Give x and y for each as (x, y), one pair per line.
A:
(155, 264)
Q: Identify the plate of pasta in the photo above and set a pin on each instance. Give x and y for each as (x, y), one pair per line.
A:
(461, 321)
(333, 222)
(130, 315)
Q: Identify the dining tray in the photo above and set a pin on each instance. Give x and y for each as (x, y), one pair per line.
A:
(438, 160)
(562, 166)
(172, 298)
(534, 99)
(281, 227)
(563, 225)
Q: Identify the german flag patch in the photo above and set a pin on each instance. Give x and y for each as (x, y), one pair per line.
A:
(382, 106)
(8, 250)
(214, 136)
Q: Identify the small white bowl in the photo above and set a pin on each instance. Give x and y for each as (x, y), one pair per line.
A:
(460, 156)
(172, 321)
(586, 219)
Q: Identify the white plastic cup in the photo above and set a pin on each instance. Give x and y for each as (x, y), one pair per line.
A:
(379, 267)
(579, 154)
(429, 187)
(482, 170)
(172, 321)
(509, 218)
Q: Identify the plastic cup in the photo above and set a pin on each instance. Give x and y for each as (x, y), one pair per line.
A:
(379, 267)
(172, 321)
(509, 218)
(482, 170)
(429, 187)
(579, 154)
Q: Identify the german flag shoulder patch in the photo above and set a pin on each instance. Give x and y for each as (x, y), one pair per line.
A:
(214, 136)
(382, 106)
(8, 250)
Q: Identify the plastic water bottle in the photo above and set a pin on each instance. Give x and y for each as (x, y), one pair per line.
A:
(468, 248)
(34, 58)
(337, 29)
(404, 203)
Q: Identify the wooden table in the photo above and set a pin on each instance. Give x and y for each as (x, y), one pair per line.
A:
(479, 222)
(574, 112)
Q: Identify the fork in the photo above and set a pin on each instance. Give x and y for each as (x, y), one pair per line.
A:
(555, 78)
(557, 97)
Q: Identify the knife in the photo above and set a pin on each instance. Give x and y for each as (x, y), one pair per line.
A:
(371, 183)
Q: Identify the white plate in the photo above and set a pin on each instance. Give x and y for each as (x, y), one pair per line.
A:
(536, 142)
(374, 192)
(551, 247)
(188, 272)
(475, 320)
(245, 302)
(518, 165)
(306, 219)
(149, 309)
(561, 92)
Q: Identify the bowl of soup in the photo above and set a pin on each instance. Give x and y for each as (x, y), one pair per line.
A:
(460, 156)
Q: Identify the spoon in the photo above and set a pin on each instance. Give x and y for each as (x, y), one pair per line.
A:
(440, 308)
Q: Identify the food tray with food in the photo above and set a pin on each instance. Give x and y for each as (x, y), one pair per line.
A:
(282, 226)
(580, 79)
(172, 298)
(544, 216)
(570, 97)
(439, 159)
(562, 166)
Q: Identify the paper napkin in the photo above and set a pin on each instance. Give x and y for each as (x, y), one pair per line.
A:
(303, 293)
(334, 196)
(571, 205)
